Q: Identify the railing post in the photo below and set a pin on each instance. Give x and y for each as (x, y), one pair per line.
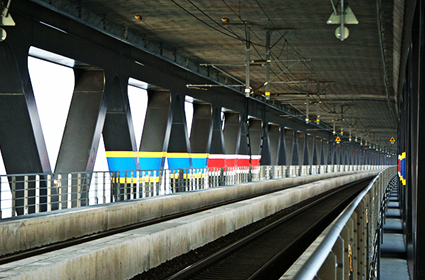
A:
(49, 193)
(104, 187)
(25, 195)
(79, 190)
(37, 193)
(13, 196)
(59, 186)
(96, 182)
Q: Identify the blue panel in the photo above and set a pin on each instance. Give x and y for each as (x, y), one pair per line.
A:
(178, 163)
(121, 163)
(150, 163)
(199, 162)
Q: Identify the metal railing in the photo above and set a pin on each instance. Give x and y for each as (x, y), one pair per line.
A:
(24, 194)
(350, 248)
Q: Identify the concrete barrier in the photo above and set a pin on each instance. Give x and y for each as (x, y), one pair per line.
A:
(36, 230)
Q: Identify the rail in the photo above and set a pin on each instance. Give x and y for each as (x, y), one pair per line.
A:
(350, 249)
(24, 194)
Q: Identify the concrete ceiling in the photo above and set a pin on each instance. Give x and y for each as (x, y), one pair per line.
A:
(349, 75)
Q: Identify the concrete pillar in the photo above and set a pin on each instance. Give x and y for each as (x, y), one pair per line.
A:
(232, 137)
(270, 151)
(325, 152)
(290, 140)
(83, 127)
(118, 132)
(22, 141)
(156, 131)
(204, 136)
(319, 151)
(255, 140)
(178, 152)
(310, 149)
(282, 148)
(301, 142)
(243, 149)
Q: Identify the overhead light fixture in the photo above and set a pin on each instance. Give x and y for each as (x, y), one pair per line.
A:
(138, 17)
(5, 20)
(342, 15)
(345, 34)
(3, 34)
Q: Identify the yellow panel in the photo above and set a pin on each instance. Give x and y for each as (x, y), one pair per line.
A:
(199, 155)
(152, 154)
(178, 155)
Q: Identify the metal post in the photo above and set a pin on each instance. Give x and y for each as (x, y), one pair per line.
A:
(59, 187)
(104, 187)
(13, 196)
(247, 61)
(37, 193)
(25, 195)
(342, 20)
(96, 182)
(49, 193)
(138, 184)
(268, 64)
(79, 190)
(307, 109)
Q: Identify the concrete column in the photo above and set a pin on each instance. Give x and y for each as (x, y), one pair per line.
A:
(336, 154)
(282, 148)
(325, 152)
(271, 145)
(22, 141)
(232, 137)
(310, 149)
(204, 136)
(265, 149)
(83, 127)
(243, 149)
(255, 139)
(156, 131)
(344, 154)
(178, 152)
(301, 143)
(332, 153)
(118, 131)
(290, 140)
(319, 151)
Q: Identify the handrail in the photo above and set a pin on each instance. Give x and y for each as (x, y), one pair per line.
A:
(314, 263)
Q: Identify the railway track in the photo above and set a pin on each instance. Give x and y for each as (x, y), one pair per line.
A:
(268, 252)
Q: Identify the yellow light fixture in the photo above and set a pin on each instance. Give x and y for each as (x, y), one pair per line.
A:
(138, 17)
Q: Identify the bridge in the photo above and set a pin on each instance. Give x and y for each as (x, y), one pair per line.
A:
(239, 99)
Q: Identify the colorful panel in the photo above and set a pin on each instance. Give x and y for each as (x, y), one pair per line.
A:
(151, 160)
(244, 160)
(199, 160)
(255, 160)
(402, 168)
(231, 160)
(121, 160)
(216, 161)
(178, 160)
